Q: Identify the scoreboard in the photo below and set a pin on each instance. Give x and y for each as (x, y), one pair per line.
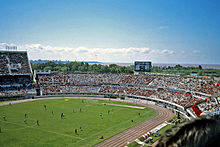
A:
(142, 66)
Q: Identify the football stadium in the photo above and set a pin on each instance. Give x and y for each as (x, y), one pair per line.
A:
(45, 108)
(109, 73)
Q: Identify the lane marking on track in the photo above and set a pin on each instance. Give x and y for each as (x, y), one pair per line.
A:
(129, 101)
(105, 130)
(117, 141)
(119, 138)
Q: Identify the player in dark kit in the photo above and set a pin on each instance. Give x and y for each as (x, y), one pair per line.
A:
(25, 121)
(62, 115)
(38, 122)
(45, 106)
(4, 118)
(76, 131)
(100, 115)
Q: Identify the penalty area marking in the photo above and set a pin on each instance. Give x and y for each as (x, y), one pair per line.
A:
(137, 107)
(22, 127)
(43, 130)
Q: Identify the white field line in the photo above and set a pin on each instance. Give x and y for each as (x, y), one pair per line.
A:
(43, 130)
(89, 98)
(23, 127)
(105, 130)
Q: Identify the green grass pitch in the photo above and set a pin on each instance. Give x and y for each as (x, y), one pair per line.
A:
(55, 131)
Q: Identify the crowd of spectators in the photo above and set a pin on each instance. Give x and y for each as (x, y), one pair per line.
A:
(15, 85)
(136, 79)
(14, 63)
(13, 80)
(186, 84)
(62, 82)
(209, 106)
(78, 78)
(59, 88)
(182, 99)
(20, 59)
(153, 86)
(209, 87)
(123, 90)
(140, 85)
(16, 92)
(157, 81)
(15, 74)
(177, 82)
(3, 64)
(96, 79)
(206, 106)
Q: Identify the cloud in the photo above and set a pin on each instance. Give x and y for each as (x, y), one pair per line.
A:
(164, 27)
(167, 52)
(39, 51)
(82, 51)
(196, 51)
(162, 52)
(3, 45)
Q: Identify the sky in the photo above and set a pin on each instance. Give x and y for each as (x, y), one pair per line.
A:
(161, 31)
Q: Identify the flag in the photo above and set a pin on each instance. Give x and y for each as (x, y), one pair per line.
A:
(207, 99)
(196, 110)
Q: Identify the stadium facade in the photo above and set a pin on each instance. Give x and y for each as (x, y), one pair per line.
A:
(175, 92)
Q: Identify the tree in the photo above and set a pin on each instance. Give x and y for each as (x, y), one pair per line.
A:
(57, 68)
(178, 66)
(200, 67)
(82, 67)
(63, 69)
(113, 65)
(48, 68)
(74, 67)
(104, 69)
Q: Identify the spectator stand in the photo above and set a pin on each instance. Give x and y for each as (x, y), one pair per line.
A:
(216, 97)
(118, 84)
(15, 75)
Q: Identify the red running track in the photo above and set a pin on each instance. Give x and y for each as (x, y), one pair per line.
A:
(129, 135)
